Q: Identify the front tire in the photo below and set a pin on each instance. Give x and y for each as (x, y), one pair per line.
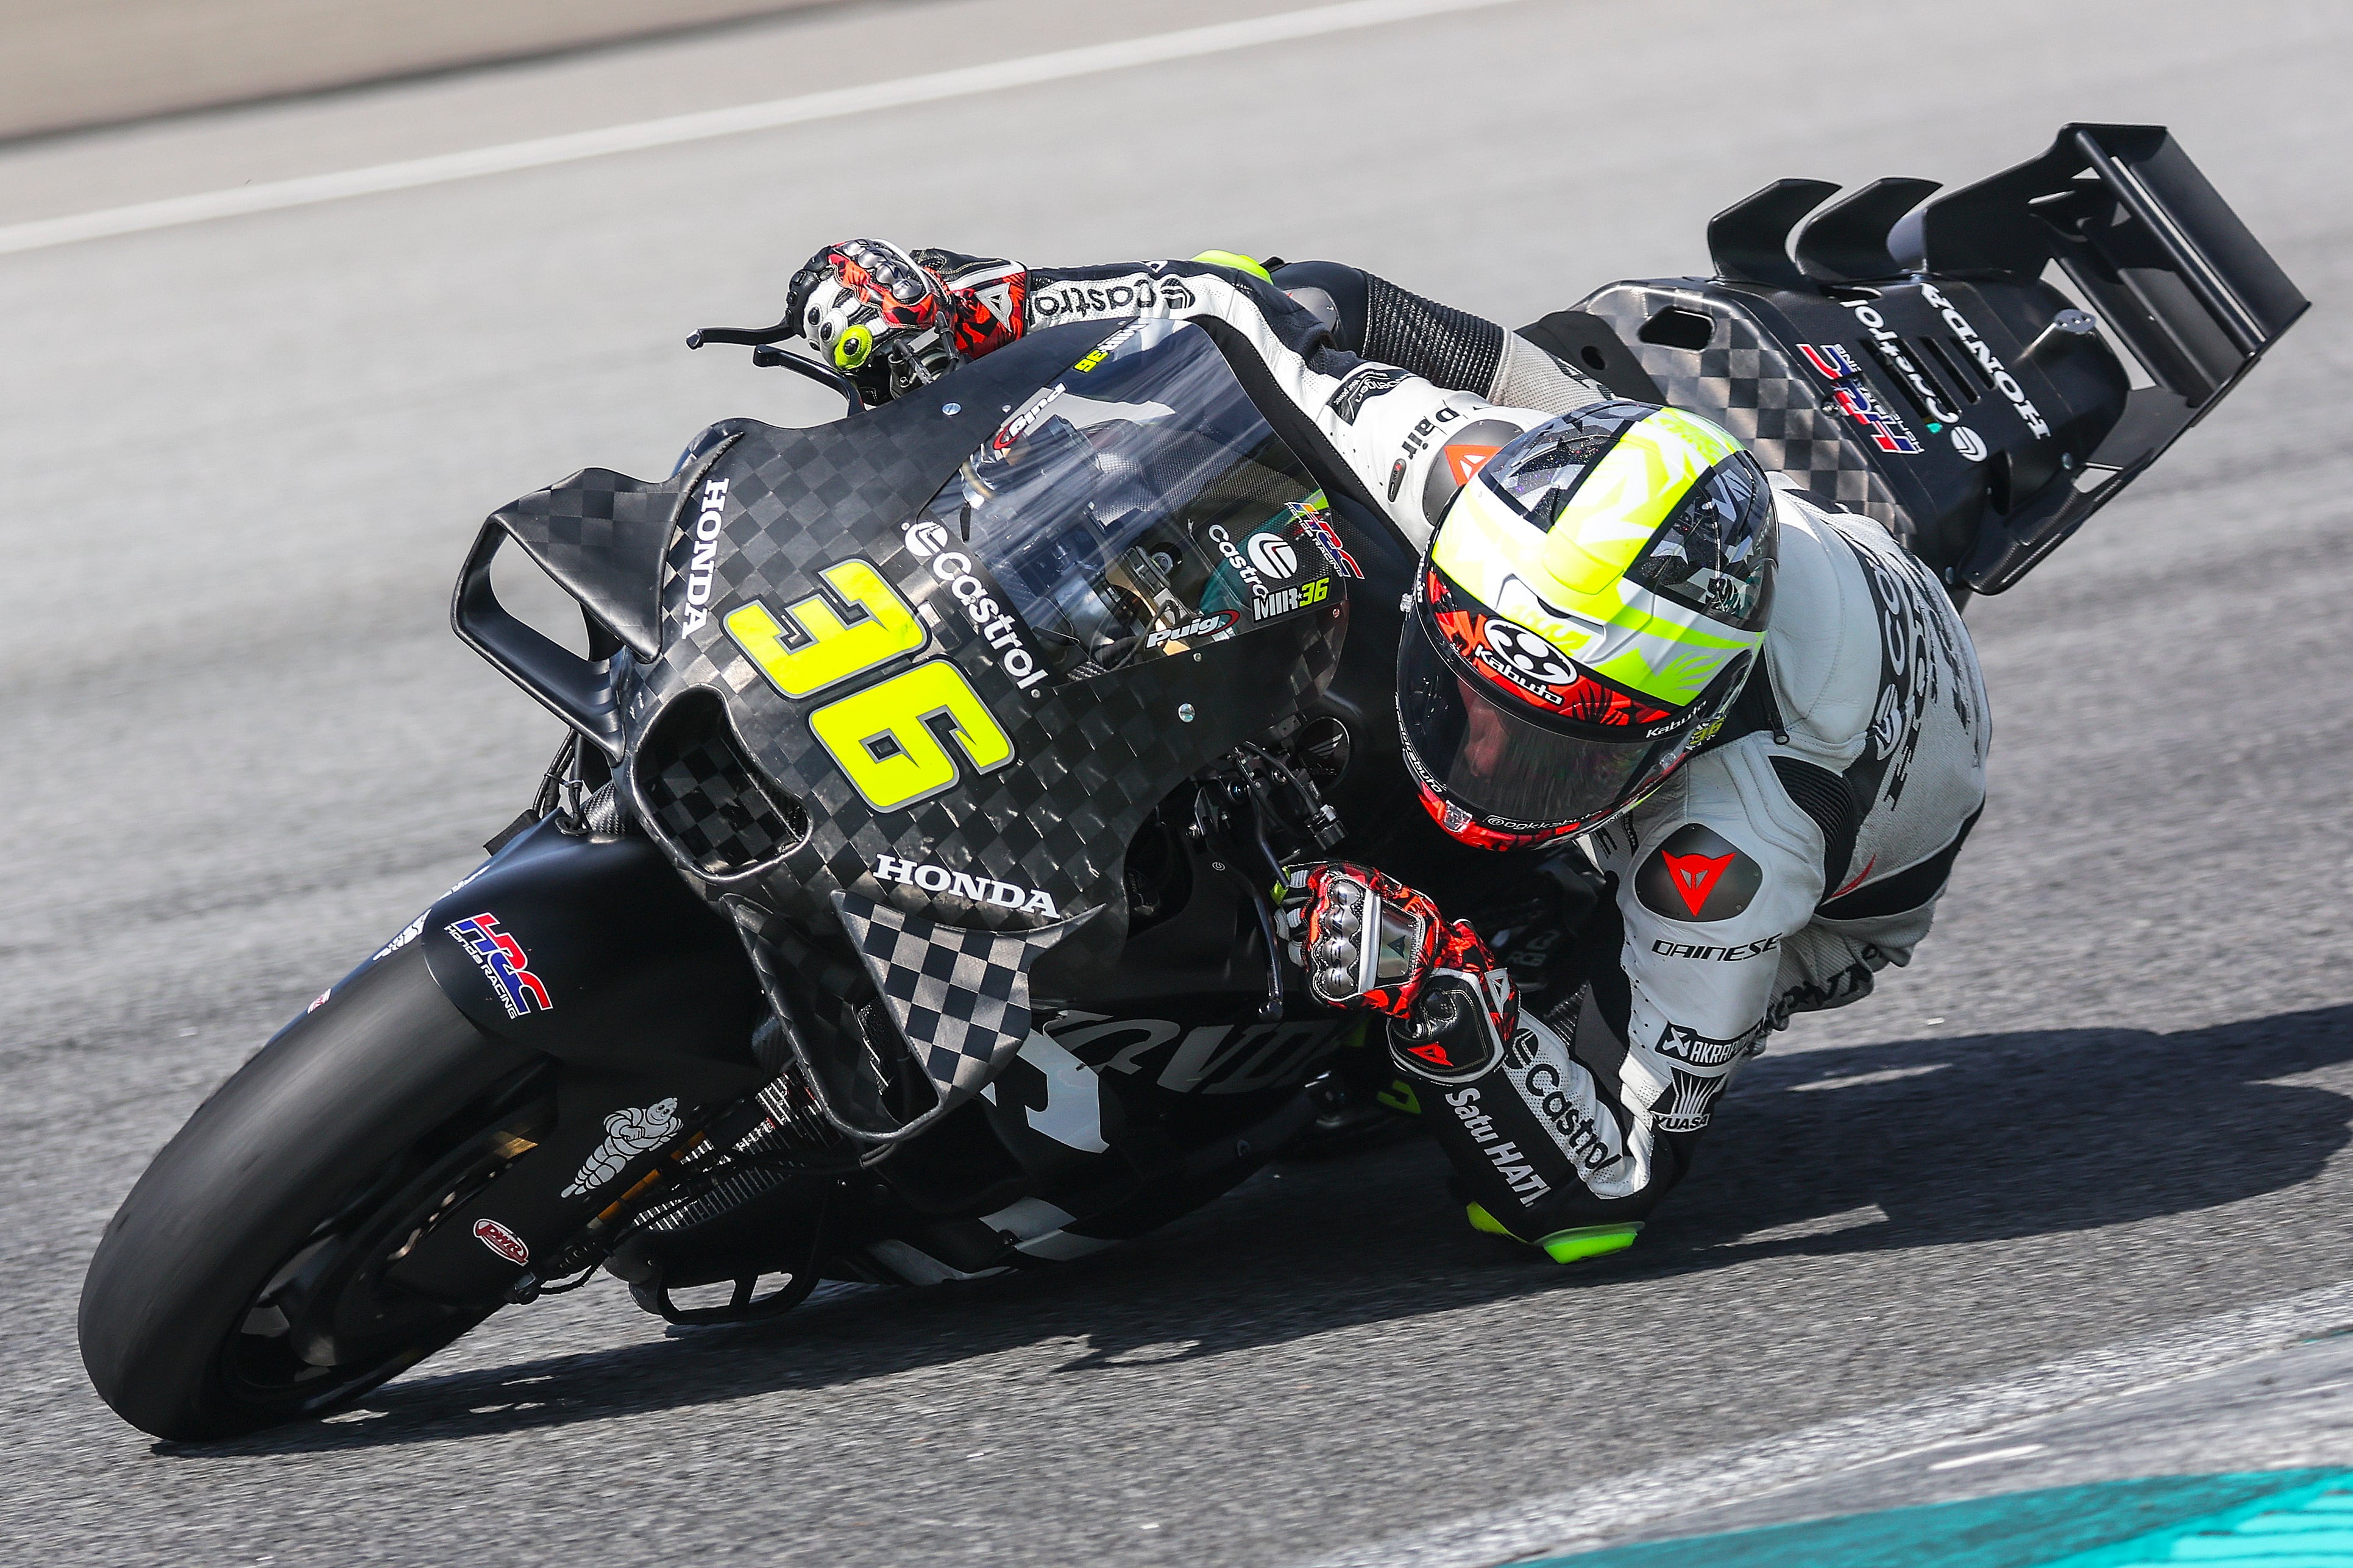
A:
(240, 1285)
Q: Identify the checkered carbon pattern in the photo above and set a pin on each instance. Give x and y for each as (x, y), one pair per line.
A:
(1093, 756)
(599, 533)
(1746, 382)
(707, 801)
(960, 997)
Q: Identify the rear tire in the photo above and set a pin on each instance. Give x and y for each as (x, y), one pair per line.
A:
(239, 1286)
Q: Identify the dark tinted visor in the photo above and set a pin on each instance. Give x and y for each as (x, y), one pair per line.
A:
(1517, 774)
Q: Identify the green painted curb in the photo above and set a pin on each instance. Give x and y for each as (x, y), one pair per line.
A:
(2284, 1518)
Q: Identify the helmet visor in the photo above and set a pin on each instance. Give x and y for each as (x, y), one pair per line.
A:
(1514, 772)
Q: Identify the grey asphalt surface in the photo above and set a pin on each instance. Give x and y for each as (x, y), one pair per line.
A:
(239, 462)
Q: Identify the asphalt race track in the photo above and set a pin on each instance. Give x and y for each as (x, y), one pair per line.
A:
(2094, 1139)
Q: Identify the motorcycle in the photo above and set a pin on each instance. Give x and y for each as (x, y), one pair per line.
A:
(899, 906)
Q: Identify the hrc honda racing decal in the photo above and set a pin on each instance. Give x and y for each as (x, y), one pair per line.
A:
(503, 963)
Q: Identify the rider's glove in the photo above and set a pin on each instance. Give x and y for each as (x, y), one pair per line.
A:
(1365, 940)
(884, 321)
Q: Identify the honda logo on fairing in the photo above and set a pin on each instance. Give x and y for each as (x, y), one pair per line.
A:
(933, 878)
(706, 554)
(2003, 382)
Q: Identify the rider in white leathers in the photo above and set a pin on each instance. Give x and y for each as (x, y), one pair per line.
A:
(1797, 841)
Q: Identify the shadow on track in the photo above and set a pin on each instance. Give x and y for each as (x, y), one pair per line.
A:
(1956, 1140)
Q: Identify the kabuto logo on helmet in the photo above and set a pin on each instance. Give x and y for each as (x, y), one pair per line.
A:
(1696, 875)
(1529, 654)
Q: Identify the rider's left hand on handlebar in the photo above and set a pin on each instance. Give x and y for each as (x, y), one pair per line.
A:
(1363, 939)
(882, 318)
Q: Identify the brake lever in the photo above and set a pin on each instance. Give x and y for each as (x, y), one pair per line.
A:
(764, 354)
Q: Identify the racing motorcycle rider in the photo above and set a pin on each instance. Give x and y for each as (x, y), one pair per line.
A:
(1764, 721)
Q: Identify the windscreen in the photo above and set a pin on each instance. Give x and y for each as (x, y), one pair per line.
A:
(1138, 507)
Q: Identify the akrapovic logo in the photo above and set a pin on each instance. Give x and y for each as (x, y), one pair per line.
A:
(706, 552)
(2003, 382)
(933, 878)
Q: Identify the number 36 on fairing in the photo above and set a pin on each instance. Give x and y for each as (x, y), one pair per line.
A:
(880, 737)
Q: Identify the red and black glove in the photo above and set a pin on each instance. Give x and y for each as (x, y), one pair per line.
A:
(1368, 941)
(883, 319)
(889, 320)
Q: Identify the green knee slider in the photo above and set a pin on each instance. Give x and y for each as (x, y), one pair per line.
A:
(1564, 1246)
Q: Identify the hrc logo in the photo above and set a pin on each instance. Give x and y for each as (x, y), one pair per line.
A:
(503, 960)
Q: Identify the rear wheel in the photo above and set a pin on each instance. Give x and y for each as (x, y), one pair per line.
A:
(242, 1283)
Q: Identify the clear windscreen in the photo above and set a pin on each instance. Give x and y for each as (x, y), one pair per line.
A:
(1139, 506)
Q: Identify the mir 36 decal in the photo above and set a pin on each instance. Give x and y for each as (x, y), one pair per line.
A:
(1283, 601)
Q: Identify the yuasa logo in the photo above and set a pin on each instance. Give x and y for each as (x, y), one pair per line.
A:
(706, 554)
(933, 878)
(1272, 554)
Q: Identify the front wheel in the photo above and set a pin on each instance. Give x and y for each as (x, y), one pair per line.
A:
(242, 1282)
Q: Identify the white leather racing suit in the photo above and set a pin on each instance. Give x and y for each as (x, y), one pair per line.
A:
(1775, 872)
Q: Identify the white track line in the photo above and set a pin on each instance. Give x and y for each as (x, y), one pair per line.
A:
(1060, 66)
(1584, 1519)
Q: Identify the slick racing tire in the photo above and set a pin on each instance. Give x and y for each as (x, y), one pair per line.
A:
(241, 1283)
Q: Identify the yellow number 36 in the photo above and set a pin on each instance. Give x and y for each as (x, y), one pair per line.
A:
(880, 737)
